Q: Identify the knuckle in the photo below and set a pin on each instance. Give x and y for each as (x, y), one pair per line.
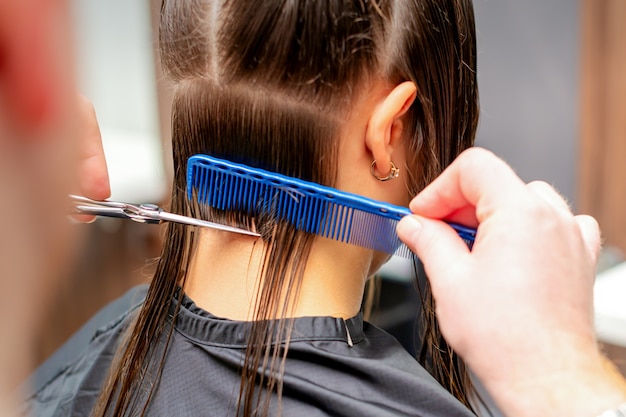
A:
(477, 154)
(589, 220)
(478, 157)
(535, 206)
(549, 195)
(539, 185)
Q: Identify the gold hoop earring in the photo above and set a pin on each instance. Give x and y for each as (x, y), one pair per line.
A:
(393, 173)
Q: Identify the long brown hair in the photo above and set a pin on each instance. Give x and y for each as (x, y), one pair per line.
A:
(269, 85)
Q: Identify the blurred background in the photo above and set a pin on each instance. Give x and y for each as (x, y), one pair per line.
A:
(553, 97)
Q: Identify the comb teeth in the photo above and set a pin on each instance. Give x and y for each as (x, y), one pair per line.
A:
(309, 207)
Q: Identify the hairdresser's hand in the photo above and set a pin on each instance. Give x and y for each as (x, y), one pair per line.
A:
(519, 307)
(93, 177)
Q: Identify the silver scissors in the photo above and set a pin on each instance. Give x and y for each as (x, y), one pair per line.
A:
(143, 213)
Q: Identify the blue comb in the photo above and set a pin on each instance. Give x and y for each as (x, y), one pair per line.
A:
(308, 206)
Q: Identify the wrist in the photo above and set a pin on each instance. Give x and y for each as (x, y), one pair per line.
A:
(588, 387)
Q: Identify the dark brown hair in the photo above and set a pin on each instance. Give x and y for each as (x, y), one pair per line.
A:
(269, 85)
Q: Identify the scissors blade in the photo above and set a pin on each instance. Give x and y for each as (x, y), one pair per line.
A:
(100, 211)
(177, 218)
(145, 213)
(84, 205)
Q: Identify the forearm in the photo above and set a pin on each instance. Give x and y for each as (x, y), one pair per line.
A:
(587, 388)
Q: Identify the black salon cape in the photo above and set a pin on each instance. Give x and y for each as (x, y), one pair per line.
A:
(333, 368)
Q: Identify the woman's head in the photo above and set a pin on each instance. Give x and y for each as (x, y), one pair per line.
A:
(281, 85)
(270, 83)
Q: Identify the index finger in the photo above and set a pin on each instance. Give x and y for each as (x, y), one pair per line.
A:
(94, 177)
(476, 181)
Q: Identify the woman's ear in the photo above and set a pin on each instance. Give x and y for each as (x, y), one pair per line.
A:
(384, 129)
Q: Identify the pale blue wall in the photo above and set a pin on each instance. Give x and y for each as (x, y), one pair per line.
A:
(116, 69)
(528, 69)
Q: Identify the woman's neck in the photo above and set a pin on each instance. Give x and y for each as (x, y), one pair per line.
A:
(224, 273)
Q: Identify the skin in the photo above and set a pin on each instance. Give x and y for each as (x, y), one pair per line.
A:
(48, 139)
(518, 307)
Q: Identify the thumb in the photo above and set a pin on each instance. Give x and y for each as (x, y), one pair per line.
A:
(434, 242)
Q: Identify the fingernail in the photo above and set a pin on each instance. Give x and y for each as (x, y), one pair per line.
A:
(409, 228)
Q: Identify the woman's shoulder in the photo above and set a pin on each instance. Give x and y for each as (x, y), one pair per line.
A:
(58, 386)
(368, 373)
